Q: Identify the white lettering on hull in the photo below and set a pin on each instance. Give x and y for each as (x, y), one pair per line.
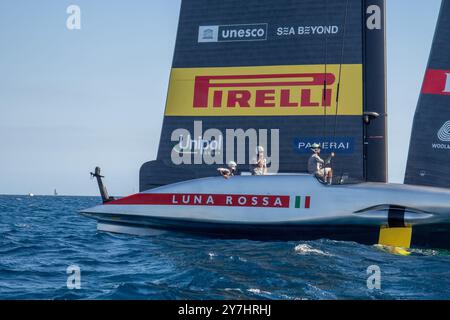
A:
(447, 84)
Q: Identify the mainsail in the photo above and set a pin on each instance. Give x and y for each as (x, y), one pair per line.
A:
(429, 150)
(281, 74)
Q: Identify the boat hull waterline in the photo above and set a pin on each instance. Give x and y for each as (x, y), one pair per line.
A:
(282, 207)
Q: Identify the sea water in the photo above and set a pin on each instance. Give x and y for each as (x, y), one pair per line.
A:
(49, 251)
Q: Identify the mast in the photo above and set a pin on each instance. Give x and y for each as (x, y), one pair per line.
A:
(375, 113)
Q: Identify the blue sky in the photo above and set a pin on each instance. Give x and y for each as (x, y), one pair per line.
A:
(71, 100)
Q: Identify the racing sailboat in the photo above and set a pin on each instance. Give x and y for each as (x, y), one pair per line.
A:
(285, 75)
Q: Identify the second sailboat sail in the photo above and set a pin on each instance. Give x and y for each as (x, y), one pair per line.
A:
(429, 149)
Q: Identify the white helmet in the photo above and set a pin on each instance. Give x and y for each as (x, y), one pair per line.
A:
(259, 149)
(232, 164)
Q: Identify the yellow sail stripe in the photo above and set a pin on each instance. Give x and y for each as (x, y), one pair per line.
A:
(298, 90)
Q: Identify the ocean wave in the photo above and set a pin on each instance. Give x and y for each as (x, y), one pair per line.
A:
(306, 249)
(37, 246)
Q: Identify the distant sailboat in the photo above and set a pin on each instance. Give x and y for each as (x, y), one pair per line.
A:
(55, 193)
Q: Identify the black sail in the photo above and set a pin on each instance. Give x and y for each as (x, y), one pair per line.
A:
(429, 151)
(282, 74)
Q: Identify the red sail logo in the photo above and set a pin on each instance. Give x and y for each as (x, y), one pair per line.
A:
(436, 82)
(263, 90)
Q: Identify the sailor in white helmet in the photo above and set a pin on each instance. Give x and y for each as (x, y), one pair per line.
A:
(317, 166)
(259, 164)
(230, 171)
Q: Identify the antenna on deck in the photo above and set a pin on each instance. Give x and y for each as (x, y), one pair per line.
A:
(369, 116)
(101, 186)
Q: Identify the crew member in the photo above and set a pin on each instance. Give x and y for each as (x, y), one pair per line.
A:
(230, 171)
(259, 164)
(317, 166)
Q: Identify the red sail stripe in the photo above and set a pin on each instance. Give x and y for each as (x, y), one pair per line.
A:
(191, 199)
(435, 82)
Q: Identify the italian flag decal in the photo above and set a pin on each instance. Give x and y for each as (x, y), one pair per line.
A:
(302, 202)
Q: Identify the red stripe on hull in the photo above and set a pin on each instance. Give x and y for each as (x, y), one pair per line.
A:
(189, 199)
(307, 202)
